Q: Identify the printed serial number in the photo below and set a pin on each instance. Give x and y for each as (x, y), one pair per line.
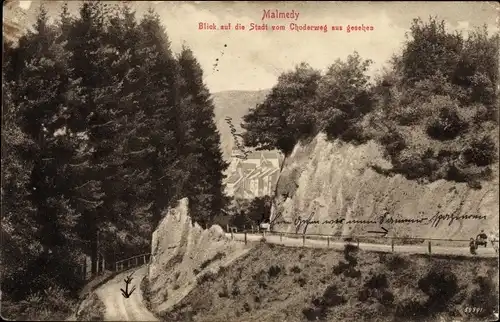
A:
(469, 309)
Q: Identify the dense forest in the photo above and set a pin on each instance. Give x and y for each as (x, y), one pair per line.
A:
(433, 110)
(104, 128)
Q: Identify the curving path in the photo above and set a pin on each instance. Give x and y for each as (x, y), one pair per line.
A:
(119, 308)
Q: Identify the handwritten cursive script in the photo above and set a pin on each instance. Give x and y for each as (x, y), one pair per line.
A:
(235, 137)
(433, 221)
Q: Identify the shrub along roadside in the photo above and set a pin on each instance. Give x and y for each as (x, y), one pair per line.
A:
(92, 309)
(146, 293)
(51, 305)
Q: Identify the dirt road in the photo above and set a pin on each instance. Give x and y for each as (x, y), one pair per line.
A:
(410, 249)
(119, 308)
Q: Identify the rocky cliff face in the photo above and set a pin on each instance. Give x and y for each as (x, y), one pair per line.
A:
(182, 252)
(330, 188)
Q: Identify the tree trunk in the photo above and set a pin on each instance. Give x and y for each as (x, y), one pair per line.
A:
(94, 247)
(275, 196)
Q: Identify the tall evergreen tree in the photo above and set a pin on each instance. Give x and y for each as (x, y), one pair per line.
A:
(38, 69)
(18, 215)
(132, 204)
(96, 118)
(201, 152)
(159, 70)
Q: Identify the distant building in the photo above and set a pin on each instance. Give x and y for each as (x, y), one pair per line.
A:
(255, 176)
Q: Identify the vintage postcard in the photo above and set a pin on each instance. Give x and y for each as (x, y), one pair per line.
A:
(250, 161)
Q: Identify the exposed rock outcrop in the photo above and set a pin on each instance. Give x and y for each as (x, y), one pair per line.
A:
(182, 252)
(332, 188)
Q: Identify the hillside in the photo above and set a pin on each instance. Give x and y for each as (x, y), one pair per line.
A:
(233, 104)
(332, 187)
(182, 253)
(274, 283)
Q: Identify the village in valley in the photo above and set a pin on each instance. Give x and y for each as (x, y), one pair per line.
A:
(254, 175)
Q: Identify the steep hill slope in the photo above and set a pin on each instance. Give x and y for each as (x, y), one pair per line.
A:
(233, 104)
(333, 189)
(274, 283)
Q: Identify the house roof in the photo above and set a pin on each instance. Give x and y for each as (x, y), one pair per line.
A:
(268, 172)
(255, 174)
(274, 171)
(255, 155)
(265, 154)
(247, 166)
(271, 155)
(267, 164)
(260, 173)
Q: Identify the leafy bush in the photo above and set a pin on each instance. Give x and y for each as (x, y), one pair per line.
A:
(446, 126)
(340, 268)
(92, 309)
(348, 269)
(301, 281)
(244, 214)
(207, 277)
(395, 262)
(147, 294)
(225, 291)
(217, 256)
(52, 304)
(350, 252)
(377, 287)
(314, 313)
(410, 308)
(393, 142)
(481, 151)
(236, 290)
(274, 271)
(440, 285)
(331, 297)
(442, 104)
(352, 273)
(377, 281)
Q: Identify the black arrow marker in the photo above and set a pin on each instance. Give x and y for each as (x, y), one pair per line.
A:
(125, 292)
(384, 232)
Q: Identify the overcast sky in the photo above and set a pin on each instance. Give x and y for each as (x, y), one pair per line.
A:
(252, 60)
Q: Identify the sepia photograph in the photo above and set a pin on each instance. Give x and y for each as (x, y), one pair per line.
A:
(250, 161)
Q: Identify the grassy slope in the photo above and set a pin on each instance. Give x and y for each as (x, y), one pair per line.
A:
(274, 283)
